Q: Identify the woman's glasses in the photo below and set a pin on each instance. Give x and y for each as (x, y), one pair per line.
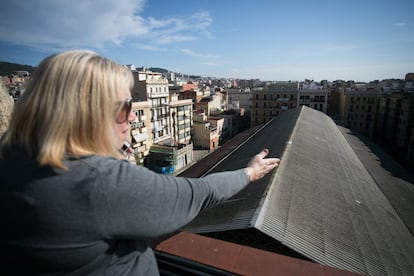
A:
(124, 112)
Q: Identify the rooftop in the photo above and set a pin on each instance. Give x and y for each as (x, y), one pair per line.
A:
(336, 199)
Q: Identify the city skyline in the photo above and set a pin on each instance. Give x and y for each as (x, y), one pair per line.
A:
(269, 40)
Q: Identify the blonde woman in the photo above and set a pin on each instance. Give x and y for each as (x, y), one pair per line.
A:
(69, 202)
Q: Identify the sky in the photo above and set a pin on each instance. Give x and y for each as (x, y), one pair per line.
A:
(360, 40)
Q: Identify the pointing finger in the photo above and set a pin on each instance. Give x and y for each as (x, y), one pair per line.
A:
(263, 153)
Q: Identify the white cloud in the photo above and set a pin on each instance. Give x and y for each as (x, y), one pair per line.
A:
(335, 47)
(198, 55)
(148, 47)
(211, 63)
(88, 23)
(174, 30)
(168, 39)
(400, 24)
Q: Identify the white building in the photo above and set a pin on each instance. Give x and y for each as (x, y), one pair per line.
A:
(313, 95)
(153, 87)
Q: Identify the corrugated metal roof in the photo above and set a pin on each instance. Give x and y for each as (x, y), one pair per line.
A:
(396, 183)
(238, 212)
(321, 202)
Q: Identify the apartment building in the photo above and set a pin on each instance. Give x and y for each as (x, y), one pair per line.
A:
(171, 155)
(240, 98)
(141, 138)
(405, 122)
(206, 133)
(357, 110)
(153, 87)
(410, 146)
(212, 105)
(313, 95)
(394, 124)
(168, 158)
(194, 95)
(268, 102)
(181, 119)
(233, 123)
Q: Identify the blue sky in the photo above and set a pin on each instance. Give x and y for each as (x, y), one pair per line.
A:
(359, 40)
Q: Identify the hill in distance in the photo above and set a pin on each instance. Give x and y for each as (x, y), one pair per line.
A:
(8, 67)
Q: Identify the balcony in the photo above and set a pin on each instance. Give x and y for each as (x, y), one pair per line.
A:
(140, 137)
(282, 99)
(157, 128)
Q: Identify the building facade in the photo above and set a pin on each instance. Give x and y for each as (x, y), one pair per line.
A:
(313, 95)
(240, 98)
(141, 138)
(153, 87)
(181, 119)
(394, 126)
(212, 105)
(270, 101)
(357, 110)
(206, 134)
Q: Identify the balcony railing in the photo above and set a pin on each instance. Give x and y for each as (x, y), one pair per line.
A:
(140, 137)
(282, 99)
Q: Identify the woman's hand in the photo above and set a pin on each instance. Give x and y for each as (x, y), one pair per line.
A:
(259, 166)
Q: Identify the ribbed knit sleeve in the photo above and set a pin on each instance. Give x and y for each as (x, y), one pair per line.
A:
(130, 201)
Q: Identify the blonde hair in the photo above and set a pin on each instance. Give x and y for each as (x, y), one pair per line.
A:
(6, 107)
(68, 107)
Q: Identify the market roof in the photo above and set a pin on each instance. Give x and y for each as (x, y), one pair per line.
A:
(324, 201)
